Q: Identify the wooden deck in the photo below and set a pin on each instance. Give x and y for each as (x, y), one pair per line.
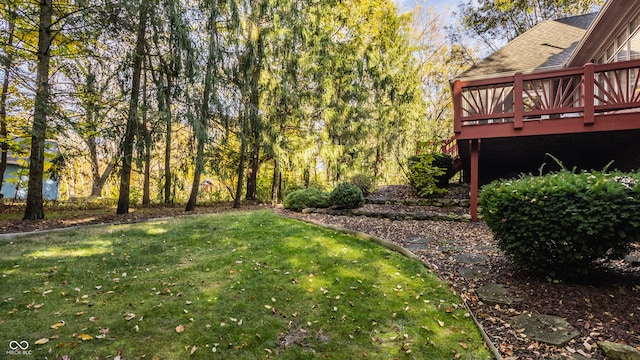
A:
(585, 117)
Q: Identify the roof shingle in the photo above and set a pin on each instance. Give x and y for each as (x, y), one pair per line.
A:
(546, 46)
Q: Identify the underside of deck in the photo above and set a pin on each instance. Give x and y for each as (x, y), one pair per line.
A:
(503, 158)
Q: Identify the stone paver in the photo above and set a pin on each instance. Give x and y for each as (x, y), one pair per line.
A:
(474, 272)
(548, 329)
(470, 259)
(496, 294)
(417, 244)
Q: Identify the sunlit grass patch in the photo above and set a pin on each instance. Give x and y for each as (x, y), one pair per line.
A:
(233, 286)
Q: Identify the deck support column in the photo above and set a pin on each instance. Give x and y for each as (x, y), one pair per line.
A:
(474, 149)
(589, 94)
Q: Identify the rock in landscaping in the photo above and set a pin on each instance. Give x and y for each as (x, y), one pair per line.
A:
(548, 329)
(615, 351)
(416, 244)
(496, 294)
(470, 259)
(474, 273)
(633, 259)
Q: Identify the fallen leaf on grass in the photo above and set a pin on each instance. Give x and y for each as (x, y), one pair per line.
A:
(463, 344)
(41, 341)
(180, 328)
(441, 323)
(129, 316)
(85, 337)
(57, 325)
(193, 349)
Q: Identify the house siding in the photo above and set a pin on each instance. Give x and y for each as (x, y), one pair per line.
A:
(50, 187)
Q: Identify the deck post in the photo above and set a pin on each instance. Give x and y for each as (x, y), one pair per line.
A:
(457, 106)
(589, 94)
(474, 149)
(518, 107)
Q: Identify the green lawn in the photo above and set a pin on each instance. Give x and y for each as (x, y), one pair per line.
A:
(229, 286)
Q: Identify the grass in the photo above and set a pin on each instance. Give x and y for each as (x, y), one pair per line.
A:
(230, 286)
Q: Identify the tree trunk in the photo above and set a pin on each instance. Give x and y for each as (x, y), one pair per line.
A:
(167, 149)
(146, 133)
(98, 183)
(275, 184)
(195, 186)
(132, 117)
(238, 197)
(4, 147)
(201, 128)
(34, 209)
(252, 178)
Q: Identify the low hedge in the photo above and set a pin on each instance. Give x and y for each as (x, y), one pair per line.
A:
(562, 224)
(306, 198)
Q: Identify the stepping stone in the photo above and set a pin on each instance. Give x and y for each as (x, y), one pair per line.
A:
(615, 351)
(548, 329)
(633, 259)
(474, 272)
(496, 294)
(416, 244)
(470, 259)
(449, 249)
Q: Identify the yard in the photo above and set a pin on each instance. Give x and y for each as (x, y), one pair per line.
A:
(241, 285)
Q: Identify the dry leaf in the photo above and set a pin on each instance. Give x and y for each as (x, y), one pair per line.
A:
(193, 349)
(57, 325)
(180, 328)
(94, 319)
(41, 341)
(85, 337)
(441, 323)
(129, 316)
(463, 344)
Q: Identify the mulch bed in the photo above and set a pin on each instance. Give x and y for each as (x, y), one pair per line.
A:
(605, 306)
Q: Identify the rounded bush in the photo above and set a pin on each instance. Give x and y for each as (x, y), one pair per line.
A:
(559, 224)
(306, 198)
(347, 196)
(366, 183)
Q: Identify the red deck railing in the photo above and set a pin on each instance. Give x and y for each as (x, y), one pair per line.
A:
(573, 94)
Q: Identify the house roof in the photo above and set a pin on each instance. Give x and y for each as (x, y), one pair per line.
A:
(546, 46)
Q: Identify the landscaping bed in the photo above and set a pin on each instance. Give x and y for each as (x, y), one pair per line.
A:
(605, 307)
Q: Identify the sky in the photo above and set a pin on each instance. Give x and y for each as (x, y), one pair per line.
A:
(441, 6)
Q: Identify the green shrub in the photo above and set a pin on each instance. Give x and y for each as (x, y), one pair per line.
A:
(306, 198)
(559, 224)
(347, 196)
(427, 173)
(366, 183)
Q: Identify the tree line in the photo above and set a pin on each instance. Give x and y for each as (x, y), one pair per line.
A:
(151, 100)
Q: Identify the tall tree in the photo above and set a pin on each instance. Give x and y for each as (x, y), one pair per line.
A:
(34, 209)
(495, 21)
(201, 124)
(132, 117)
